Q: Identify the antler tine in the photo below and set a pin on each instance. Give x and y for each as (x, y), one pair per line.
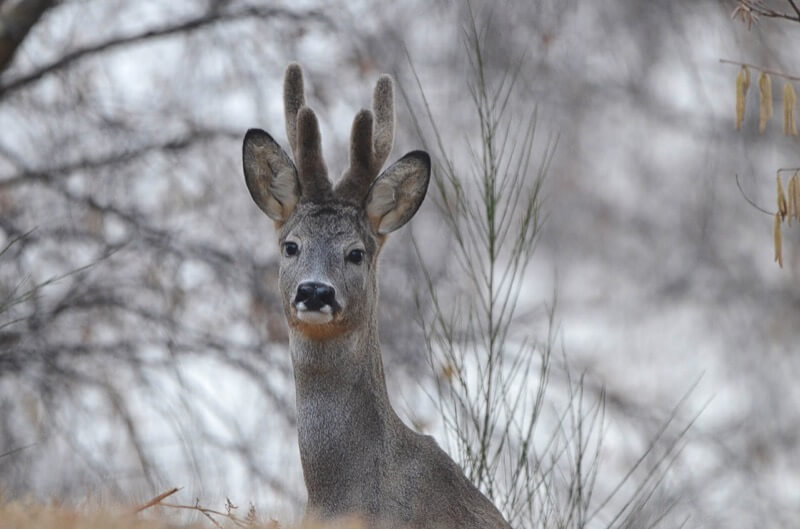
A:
(370, 143)
(311, 170)
(383, 106)
(302, 131)
(358, 176)
(293, 100)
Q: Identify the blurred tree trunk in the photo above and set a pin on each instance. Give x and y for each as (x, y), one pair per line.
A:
(16, 20)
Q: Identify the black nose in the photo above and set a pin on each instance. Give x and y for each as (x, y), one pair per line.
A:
(315, 295)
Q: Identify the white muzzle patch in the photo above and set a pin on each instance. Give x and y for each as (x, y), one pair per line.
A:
(323, 315)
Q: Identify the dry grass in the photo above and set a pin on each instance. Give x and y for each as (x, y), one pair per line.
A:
(26, 515)
(155, 514)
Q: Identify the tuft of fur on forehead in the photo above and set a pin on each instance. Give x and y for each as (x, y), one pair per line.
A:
(332, 217)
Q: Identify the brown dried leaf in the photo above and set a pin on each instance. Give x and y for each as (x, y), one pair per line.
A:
(765, 89)
(789, 98)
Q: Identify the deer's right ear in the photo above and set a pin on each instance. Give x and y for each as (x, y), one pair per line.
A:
(270, 175)
(398, 192)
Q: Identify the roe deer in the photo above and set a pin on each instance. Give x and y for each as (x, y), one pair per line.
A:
(359, 459)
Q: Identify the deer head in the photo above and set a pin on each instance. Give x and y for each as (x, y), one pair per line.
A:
(330, 236)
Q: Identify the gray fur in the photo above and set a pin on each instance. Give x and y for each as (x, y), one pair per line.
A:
(359, 459)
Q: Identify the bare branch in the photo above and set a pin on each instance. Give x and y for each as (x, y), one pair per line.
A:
(187, 26)
(15, 24)
(776, 73)
(16, 450)
(794, 5)
(116, 158)
(749, 11)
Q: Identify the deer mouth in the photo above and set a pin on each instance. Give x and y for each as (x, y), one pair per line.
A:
(323, 323)
(316, 316)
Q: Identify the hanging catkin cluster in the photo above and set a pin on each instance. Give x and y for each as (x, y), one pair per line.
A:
(765, 101)
(788, 208)
(789, 202)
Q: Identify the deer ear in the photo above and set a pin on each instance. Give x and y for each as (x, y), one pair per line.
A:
(270, 175)
(398, 192)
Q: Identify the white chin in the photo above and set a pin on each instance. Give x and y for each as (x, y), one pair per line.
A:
(313, 316)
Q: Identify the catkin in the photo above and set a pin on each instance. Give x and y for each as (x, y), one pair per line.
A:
(795, 198)
(742, 84)
(789, 97)
(765, 89)
(781, 197)
(790, 200)
(776, 234)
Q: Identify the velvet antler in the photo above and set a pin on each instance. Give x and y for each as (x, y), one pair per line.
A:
(302, 130)
(371, 141)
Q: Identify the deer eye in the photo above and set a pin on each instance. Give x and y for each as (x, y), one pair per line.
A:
(290, 248)
(355, 256)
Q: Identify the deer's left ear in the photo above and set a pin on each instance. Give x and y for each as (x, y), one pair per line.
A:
(270, 175)
(398, 192)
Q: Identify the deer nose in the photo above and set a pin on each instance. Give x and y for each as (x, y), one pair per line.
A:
(315, 295)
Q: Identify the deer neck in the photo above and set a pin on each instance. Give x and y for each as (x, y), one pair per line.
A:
(339, 365)
(343, 411)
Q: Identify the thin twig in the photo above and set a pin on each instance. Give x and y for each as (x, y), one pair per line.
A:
(749, 201)
(156, 500)
(205, 512)
(16, 450)
(176, 144)
(776, 73)
(755, 8)
(208, 513)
